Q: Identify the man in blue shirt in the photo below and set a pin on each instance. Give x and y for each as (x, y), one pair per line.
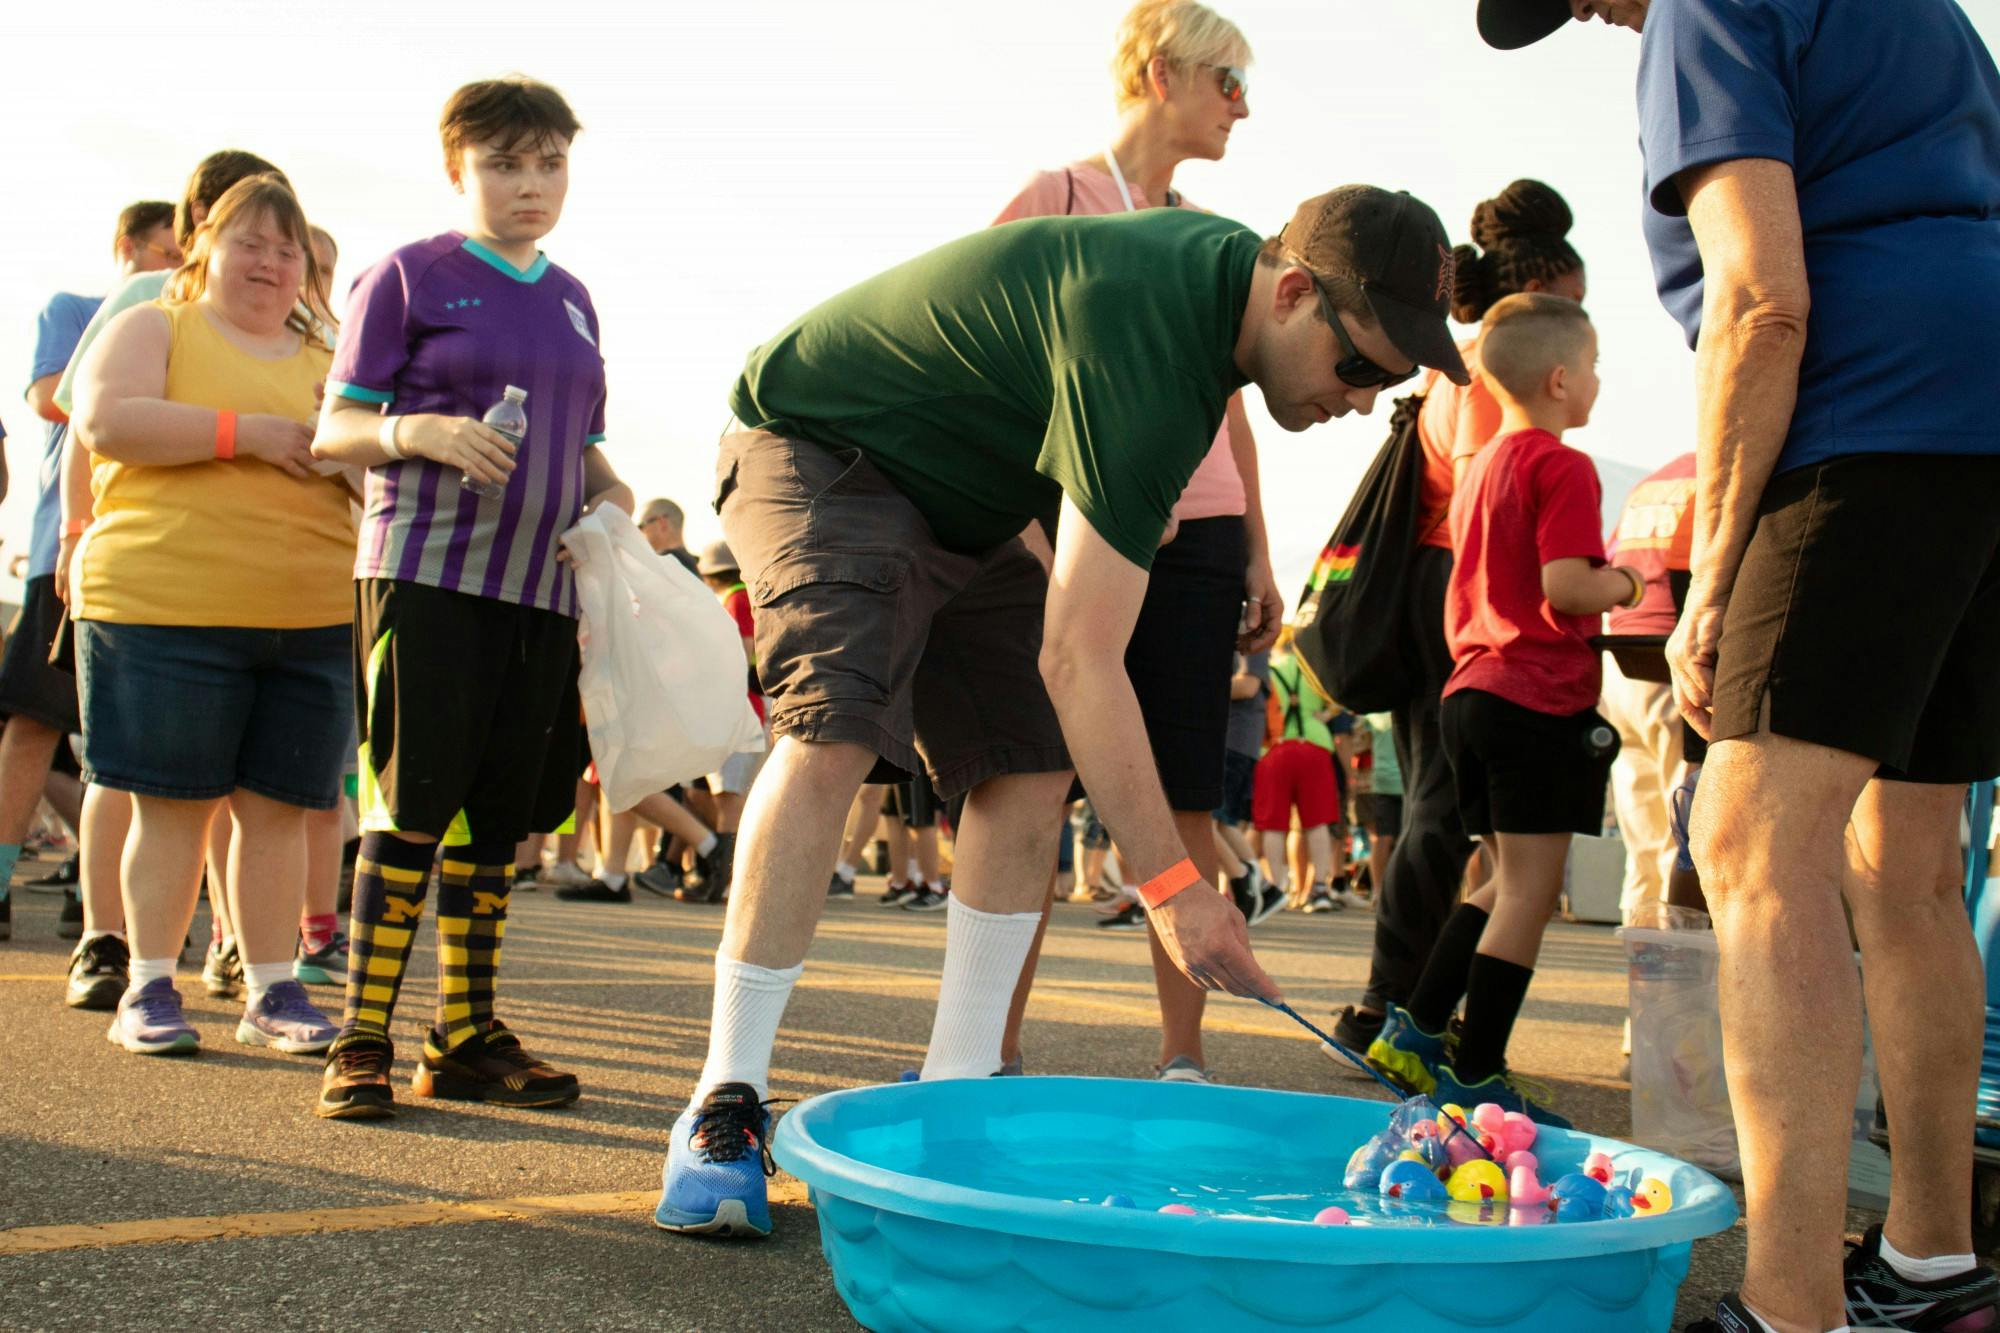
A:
(39, 701)
(1823, 209)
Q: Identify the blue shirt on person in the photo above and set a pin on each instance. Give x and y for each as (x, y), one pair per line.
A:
(57, 332)
(1888, 112)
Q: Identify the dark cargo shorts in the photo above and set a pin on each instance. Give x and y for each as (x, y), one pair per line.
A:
(870, 632)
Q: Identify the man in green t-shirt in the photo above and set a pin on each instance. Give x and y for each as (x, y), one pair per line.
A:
(1061, 376)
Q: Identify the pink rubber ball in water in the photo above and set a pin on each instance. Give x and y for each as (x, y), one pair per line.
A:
(1178, 1210)
(1331, 1217)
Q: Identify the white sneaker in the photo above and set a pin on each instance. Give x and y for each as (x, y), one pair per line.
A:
(564, 875)
(1180, 1069)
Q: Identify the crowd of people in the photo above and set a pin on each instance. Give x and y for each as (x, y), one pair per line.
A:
(997, 555)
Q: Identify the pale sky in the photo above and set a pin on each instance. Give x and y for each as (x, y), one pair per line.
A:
(741, 161)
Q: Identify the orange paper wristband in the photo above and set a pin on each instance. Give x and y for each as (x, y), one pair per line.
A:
(1168, 882)
(225, 435)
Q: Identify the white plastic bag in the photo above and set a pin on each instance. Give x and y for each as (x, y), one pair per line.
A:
(663, 672)
(1680, 1097)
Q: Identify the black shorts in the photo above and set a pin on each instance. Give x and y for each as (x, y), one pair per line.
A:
(1183, 653)
(914, 801)
(1381, 813)
(1867, 614)
(1519, 771)
(471, 729)
(29, 686)
(1239, 785)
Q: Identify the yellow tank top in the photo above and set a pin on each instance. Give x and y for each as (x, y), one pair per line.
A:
(224, 542)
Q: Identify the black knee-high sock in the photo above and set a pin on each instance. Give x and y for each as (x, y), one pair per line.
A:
(1494, 990)
(1446, 972)
(390, 876)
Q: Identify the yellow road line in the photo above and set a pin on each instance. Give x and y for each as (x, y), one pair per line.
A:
(328, 1221)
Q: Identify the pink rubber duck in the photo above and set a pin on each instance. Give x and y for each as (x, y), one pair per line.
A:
(1598, 1167)
(1523, 1187)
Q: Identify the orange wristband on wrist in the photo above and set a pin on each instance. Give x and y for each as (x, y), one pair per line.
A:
(225, 435)
(75, 527)
(1168, 882)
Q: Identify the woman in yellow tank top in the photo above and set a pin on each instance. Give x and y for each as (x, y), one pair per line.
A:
(213, 600)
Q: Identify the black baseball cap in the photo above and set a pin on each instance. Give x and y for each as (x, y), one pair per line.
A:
(1508, 25)
(1391, 245)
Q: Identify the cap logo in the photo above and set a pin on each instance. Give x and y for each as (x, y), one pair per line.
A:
(1447, 269)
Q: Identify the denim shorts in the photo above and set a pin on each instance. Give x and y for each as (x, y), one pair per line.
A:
(194, 712)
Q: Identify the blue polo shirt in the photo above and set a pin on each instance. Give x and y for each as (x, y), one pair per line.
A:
(1888, 112)
(57, 333)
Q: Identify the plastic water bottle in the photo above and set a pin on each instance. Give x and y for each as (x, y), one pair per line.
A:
(510, 418)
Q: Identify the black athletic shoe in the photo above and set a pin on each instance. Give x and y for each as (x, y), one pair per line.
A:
(355, 1085)
(1131, 917)
(1356, 1030)
(1245, 898)
(596, 891)
(6, 918)
(69, 925)
(661, 877)
(839, 886)
(98, 973)
(928, 899)
(490, 1066)
(62, 877)
(1880, 1297)
(708, 882)
(898, 894)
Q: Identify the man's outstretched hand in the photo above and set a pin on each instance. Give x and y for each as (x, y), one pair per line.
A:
(1207, 939)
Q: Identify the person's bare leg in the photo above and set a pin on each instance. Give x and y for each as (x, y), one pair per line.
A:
(926, 851)
(1017, 1008)
(323, 843)
(1233, 866)
(1926, 1002)
(1527, 880)
(1320, 852)
(528, 854)
(26, 749)
(1380, 847)
(215, 860)
(1182, 1003)
(669, 814)
(1769, 833)
(107, 826)
(64, 793)
(728, 811)
(162, 872)
(1277, 870)
(1302, 866)
(267, 876)
(791, 830)
(1239, 845)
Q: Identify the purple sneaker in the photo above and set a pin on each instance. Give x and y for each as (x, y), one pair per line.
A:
(285, 1020)
(149, 1021)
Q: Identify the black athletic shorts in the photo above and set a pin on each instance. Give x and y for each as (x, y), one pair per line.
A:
(1183, 653)
(914, 801)
(1867, 614)
(1519, 771)
(1381, 813)
(471, 729)
(1239, 786)
(29, 686)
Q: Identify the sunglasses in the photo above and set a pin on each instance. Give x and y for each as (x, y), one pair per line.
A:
(1355, 370)
(1232, 81)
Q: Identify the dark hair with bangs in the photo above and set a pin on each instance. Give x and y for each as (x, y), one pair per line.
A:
(507, 112)
(212, 179)
(140, 218)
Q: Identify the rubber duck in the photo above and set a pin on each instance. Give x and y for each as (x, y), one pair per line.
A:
(1364, 1168)
(1117, 1201)
(1432, 1153)
(1517, 1160)
(1491, 1117)
(1519, 1134)
(1477, 1182)
(1618, 1202)
(1451, 1111)
(1523, 1188)
(1598, 1167)
(1577, 1198)
(1488, 1214)
(1407, 1180)
(1651, 1198)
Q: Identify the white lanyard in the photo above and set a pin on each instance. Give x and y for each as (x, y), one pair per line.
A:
(1118, 178)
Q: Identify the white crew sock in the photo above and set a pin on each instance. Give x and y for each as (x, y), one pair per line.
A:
(1925, 1270)
(983, 953)
(1129, 894)
(845, 871)
(749, 1004)
(260, 977)
(706, 845)
(145, 970)
(1765, 1325)
(612, 881)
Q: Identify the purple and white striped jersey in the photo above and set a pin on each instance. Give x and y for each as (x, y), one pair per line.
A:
(445, 325)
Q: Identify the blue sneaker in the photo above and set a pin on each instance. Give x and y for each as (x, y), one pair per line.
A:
(322, 967)
(717, 1162)
(1508, 1091)
(1407, 1055)
(149, 1021)
(285, 1020)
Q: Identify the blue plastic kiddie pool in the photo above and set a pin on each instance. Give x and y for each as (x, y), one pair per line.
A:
(976, 1204)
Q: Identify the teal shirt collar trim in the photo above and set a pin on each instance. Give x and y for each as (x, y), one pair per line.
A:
(533, 273)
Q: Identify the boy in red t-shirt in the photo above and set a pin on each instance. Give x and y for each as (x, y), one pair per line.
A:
(1529, 753)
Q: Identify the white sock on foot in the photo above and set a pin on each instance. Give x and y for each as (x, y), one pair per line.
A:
(706, 845)
(983, 953)
(845, 871)
(749, 1005)
(613, 881)
(1765, 1327)
(147, 970)
(1925, 1270)
(260, 977)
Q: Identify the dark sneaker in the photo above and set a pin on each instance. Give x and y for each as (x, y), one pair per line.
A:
(99, 972)
(596, 891)
(6, 918)
(1730, 1317)
(839, 886)
(661, 877)
(1408, 1056)
(222, 973)
(708, 882)
(356, 1083)
(69, 925)
(713, 1182)
(897, 894)
(62, 877)
(1509, 1091)
(1246, 898)
(1356, 1030)
(1130, 917)
(1270, 899)
(930, 898)
(527, 880)
(492, 1067)
(1880, 1297)
(322, 967)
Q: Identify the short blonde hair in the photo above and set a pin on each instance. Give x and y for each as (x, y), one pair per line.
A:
(1527, 335)
(1182, 31)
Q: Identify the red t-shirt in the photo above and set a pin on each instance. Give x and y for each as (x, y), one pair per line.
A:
(736, 601)
(1528, 498)
(1654, 536)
